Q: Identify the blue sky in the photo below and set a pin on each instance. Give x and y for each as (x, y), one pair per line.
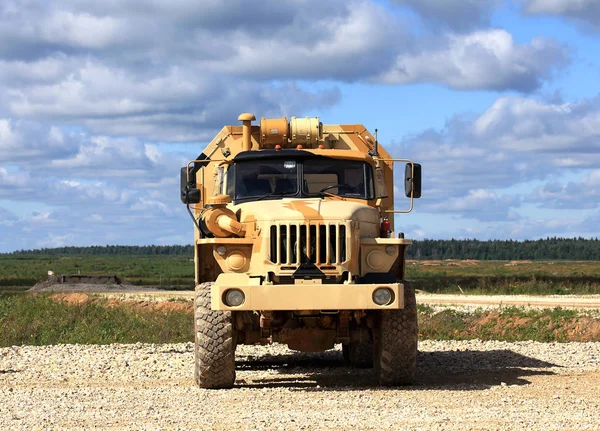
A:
(102, 102)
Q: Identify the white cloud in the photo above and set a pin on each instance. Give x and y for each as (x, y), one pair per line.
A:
(354, 42)
(478, 204)
(484, 59)
(458, 15)
(527, 125)
(515, 142)
(585, 12)
(177, 71)
(81, 29)
(582, 194)
(91, 91)
(52, 241)
(42, 218)
(23, 141)
(6, 216)
(175, 104)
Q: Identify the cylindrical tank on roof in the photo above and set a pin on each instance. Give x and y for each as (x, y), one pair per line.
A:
(306, 131)
(273, 131)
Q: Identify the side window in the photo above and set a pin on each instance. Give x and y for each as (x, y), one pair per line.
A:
(381, 188)
(369, 182)
(230, 181)
(219, 178)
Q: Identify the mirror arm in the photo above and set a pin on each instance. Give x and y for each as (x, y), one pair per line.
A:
(196, 222)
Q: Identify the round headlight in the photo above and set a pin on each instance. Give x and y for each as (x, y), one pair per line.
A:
(390, 249)
(221, 250)
(382, 296)
(234, 297)
(236, 261)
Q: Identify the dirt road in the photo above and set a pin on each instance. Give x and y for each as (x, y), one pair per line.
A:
(460, 385)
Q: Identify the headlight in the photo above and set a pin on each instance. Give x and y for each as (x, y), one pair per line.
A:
(390, 249)
(236, 261)
(221, 250)
(382, 296)
(376, 259)
(234, 297)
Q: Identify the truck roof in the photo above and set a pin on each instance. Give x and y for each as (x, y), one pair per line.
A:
(301, 154)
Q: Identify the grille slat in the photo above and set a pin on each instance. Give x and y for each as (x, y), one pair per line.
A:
(323, 243)
(288, 248)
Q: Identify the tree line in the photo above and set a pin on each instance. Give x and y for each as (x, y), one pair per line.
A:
(540, 249)
(548, 248)
(113, 250)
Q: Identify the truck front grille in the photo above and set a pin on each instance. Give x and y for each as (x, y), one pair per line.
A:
(294, 244)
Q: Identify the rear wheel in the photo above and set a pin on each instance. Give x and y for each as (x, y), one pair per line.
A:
(215, 343)
(395, 339)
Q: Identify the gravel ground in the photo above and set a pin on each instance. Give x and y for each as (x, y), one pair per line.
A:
(461, 385)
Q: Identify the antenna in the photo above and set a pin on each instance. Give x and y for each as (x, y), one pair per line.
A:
(375, 151)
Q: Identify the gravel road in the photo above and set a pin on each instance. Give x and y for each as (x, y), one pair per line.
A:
(461, 385)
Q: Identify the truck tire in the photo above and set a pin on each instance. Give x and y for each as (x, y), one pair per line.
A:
(215, 343)
(395, 339)
(358, 355)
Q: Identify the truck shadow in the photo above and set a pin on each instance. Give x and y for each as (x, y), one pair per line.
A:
(451, 370)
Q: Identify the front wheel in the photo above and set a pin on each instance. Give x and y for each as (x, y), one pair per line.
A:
(215, 343)
(395, 340)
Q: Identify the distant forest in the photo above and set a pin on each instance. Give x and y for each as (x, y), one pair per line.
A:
(540, 249)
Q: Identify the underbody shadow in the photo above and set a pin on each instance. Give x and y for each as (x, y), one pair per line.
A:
(451, 370)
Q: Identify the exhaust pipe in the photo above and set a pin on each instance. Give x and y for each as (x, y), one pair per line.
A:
(246, 120)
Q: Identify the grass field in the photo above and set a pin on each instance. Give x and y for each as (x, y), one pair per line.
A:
(44, 319)
(41, 320)
(25, 271)
(509, 324)
(448, 276)
(506, 277)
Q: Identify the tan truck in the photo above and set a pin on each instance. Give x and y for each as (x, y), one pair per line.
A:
(295, 243)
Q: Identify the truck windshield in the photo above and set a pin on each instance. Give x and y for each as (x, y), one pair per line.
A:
(278, 178)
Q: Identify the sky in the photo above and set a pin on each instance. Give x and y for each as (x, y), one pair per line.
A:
(101, 103)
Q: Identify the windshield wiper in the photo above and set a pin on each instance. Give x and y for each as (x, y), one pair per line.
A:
(279, 194)
(323, 192)
(331, 195)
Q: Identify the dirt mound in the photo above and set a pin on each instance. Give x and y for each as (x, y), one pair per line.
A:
(76, 298)
(82, 283)
(580, 328)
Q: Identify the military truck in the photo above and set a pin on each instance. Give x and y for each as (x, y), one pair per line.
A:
(295, 243)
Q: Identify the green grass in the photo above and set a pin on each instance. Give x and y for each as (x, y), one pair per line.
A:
(508, 324)
(27, 319)
(474, 277)
(39, 320)
(506, 278)
(139, 270)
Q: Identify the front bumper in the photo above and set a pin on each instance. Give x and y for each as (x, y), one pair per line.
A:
(307, 297)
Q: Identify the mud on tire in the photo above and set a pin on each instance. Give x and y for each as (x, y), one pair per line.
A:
(395, 339)
(215, 343)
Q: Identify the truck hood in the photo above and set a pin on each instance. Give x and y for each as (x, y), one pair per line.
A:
(313, 209)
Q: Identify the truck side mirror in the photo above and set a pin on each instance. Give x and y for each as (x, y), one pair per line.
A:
(412, 180)
(188, 192)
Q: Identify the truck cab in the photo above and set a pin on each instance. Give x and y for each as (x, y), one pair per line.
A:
(294, 243)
